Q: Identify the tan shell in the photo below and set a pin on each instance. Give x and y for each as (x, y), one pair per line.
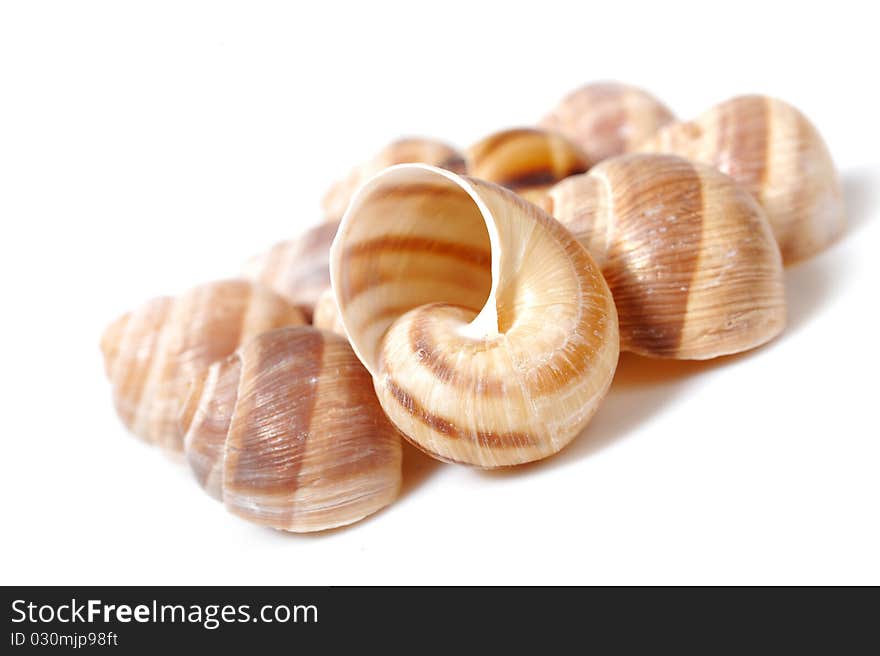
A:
(687, 252)
(489, 331)
(525, 160)
(773, 150)
(152, 353)
(297, 269)
(608, 118)
(402, 151)
(288, 433)
(326, 315)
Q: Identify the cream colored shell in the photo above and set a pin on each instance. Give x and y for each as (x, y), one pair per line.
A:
(152, 353)
(489, 331)
(525, 160)
(688, 254)
(402, 151)
(772, 150)
(288, 433)
(326, 315)
(607, 118)
(297, 269)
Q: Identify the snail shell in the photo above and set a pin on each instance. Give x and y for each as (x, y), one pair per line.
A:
(526, 160)
(607, 118)
(773, 150)
(488, 329)
(688, 254)
(152, 353)
(288, 433)
(326, 315)
(297, 269)
(402, 151)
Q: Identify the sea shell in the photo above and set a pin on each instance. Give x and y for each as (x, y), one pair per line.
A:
(288, 433)
(772, 150)
(402, 151)
(489, 331)
(688, 254)
(297, 269)
(326, 315)
(152, 353)
(526, 160)
(607, 118)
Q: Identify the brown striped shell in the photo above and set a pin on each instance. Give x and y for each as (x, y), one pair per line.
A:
(297, 269)
(488, 329)
(608, 118)
(526, 160)
(402, 151)
(288, 433)
(687, 252)
(152, 353)
(326, 315)
(772, 150)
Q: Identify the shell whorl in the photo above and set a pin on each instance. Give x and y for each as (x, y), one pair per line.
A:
(402, 151)
(776, 153)
(489, 331)
(297, 269)
(288, 433)
(525, 160)
(608, 118)
(152, 353)
(688, 254)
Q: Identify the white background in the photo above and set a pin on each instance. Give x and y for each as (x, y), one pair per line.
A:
(146, 147)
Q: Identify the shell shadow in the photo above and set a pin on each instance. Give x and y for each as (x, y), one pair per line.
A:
(641, 388)
(861, 198)
(418, 467)
(810, 284)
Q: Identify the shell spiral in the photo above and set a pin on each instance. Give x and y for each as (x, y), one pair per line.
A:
(288, 433)
(688, 254)
(488, 329)
(152, 353)
(776, 153)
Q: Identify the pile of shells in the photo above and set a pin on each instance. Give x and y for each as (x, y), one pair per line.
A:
(474, 303)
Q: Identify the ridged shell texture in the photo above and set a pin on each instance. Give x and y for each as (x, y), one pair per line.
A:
(152, 353)
(288, 433)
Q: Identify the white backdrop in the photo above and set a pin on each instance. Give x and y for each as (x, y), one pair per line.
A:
(146, 147)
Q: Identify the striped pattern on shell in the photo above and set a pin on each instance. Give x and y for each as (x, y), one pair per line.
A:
(297, 269)
(152, 353)
(489, 331)
(607, 118)
(288, 433)
(525, 160)
(403, 151)
(688, 254)
(772, 150)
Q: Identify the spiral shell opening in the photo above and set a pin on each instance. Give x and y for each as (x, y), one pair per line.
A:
(489, 331)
